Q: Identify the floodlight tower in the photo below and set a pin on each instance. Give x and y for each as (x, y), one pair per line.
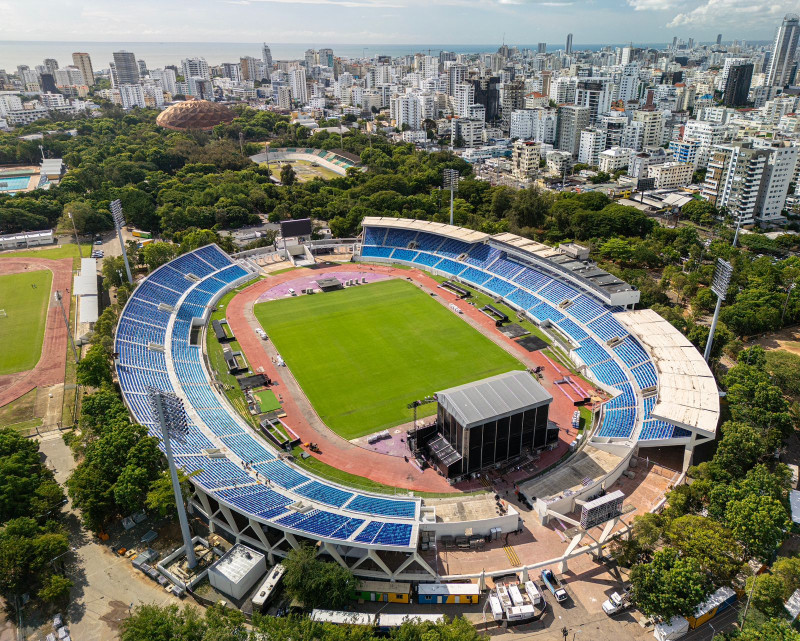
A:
(119, 222)
(171, 417)
(722, 278)
(60, 301)
(450, 183)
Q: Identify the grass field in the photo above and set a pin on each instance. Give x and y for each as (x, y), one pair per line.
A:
(267, 400)
(306, 172)
(362, 354)
(62, 251)
(22, 329)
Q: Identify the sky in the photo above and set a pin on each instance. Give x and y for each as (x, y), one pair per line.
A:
(330, 22)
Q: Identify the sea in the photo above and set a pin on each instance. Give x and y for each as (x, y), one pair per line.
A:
(158, 54)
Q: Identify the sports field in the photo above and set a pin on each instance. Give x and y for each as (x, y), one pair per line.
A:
(362, 354)
(24, 297)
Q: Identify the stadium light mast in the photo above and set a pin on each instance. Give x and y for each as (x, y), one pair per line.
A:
(66, 322)
(722, 278)
(171, 417)
(77, 240)
(450, 183)
(119, 221)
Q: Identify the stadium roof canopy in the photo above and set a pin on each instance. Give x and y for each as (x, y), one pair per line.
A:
(451, 231)
(493, 398)
(687, 392)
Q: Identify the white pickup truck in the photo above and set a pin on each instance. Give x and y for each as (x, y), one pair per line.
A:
(616, 603)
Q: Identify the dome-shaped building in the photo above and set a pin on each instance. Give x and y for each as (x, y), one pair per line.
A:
(194, 114)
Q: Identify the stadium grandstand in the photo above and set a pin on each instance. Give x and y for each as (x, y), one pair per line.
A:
(337, 160)
(243, 488)
(662, 391)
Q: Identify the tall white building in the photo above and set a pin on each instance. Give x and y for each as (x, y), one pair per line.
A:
(297, 83)
(593, 141)
(132, 96)
(629, 82)
(783, 51)
(463, 98)
(195, 68)
(405, 110)
(166, 78)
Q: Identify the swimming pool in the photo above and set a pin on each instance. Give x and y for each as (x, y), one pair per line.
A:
(13, 183)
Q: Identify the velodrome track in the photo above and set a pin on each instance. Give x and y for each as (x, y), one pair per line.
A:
(345, 455)
(50, 368)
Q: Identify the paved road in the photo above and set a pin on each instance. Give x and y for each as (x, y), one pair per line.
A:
(105, 584)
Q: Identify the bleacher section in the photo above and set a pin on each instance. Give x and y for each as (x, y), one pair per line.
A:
(250, 477)
(586, 321)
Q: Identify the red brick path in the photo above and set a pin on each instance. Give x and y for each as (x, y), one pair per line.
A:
(50, 368)
(341, 453)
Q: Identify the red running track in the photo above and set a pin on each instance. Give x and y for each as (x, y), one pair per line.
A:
(52, 362)
(341, 453)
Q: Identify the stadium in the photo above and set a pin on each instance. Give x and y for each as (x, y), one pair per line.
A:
(657, 392)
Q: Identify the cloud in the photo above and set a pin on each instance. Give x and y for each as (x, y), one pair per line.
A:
(369, 4)
(716, 13)
(652, 5)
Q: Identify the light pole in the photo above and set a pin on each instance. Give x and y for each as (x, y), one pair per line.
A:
(786, 303)
(77, 240)
(171, 417)
(266, 151)
(719, 285)
(450, 182)
(66, 322)
(119, 221)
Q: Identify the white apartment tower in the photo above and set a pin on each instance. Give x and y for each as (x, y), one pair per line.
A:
(783, 51)
(297, 83)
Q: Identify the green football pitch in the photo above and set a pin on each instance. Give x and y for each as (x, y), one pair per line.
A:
(23, 298)
(363, 353)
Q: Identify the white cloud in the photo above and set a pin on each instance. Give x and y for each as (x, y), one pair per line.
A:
(734, 13)
(652, 5)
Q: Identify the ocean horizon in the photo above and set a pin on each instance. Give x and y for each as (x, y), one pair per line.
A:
(158, 54)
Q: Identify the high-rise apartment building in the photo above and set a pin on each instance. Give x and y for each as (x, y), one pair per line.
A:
(783, 52)
(266, 55)
(463, 97)
(569, 44)
(594, 93)
(750, 180)
(50, 65)
(572, 119)
(84, 62)
(542, 47)
(131, 96)
(456, 74)
(126, 69)
(737, 86)
(405, 110)
(166, 78)
(195, 68)
(487, 93)
(297, 83)
(652, 127)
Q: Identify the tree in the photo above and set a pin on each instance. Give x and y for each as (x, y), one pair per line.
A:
(768, 631)
(161, 497)
(767, 594)
(86, 218)
(787, 570)
(783, 366)
(166, 623)
(94, 369)
(157, 254)
(55, 588)
(759, 523)
(669, 585)
(27, 487)
(315, 583)
(288, 175)
(27, 556)
(530, 208)
(710, 543)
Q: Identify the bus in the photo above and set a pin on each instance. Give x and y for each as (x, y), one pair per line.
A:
(268, 588)
(138, 233)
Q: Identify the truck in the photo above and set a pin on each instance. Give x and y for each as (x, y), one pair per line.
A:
(616, 603)
(138, 233)
(552, 584)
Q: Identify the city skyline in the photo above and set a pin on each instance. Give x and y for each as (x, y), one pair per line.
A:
(395, 21)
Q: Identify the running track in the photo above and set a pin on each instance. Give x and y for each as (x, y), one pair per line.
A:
(341, 453)
(52, 363)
